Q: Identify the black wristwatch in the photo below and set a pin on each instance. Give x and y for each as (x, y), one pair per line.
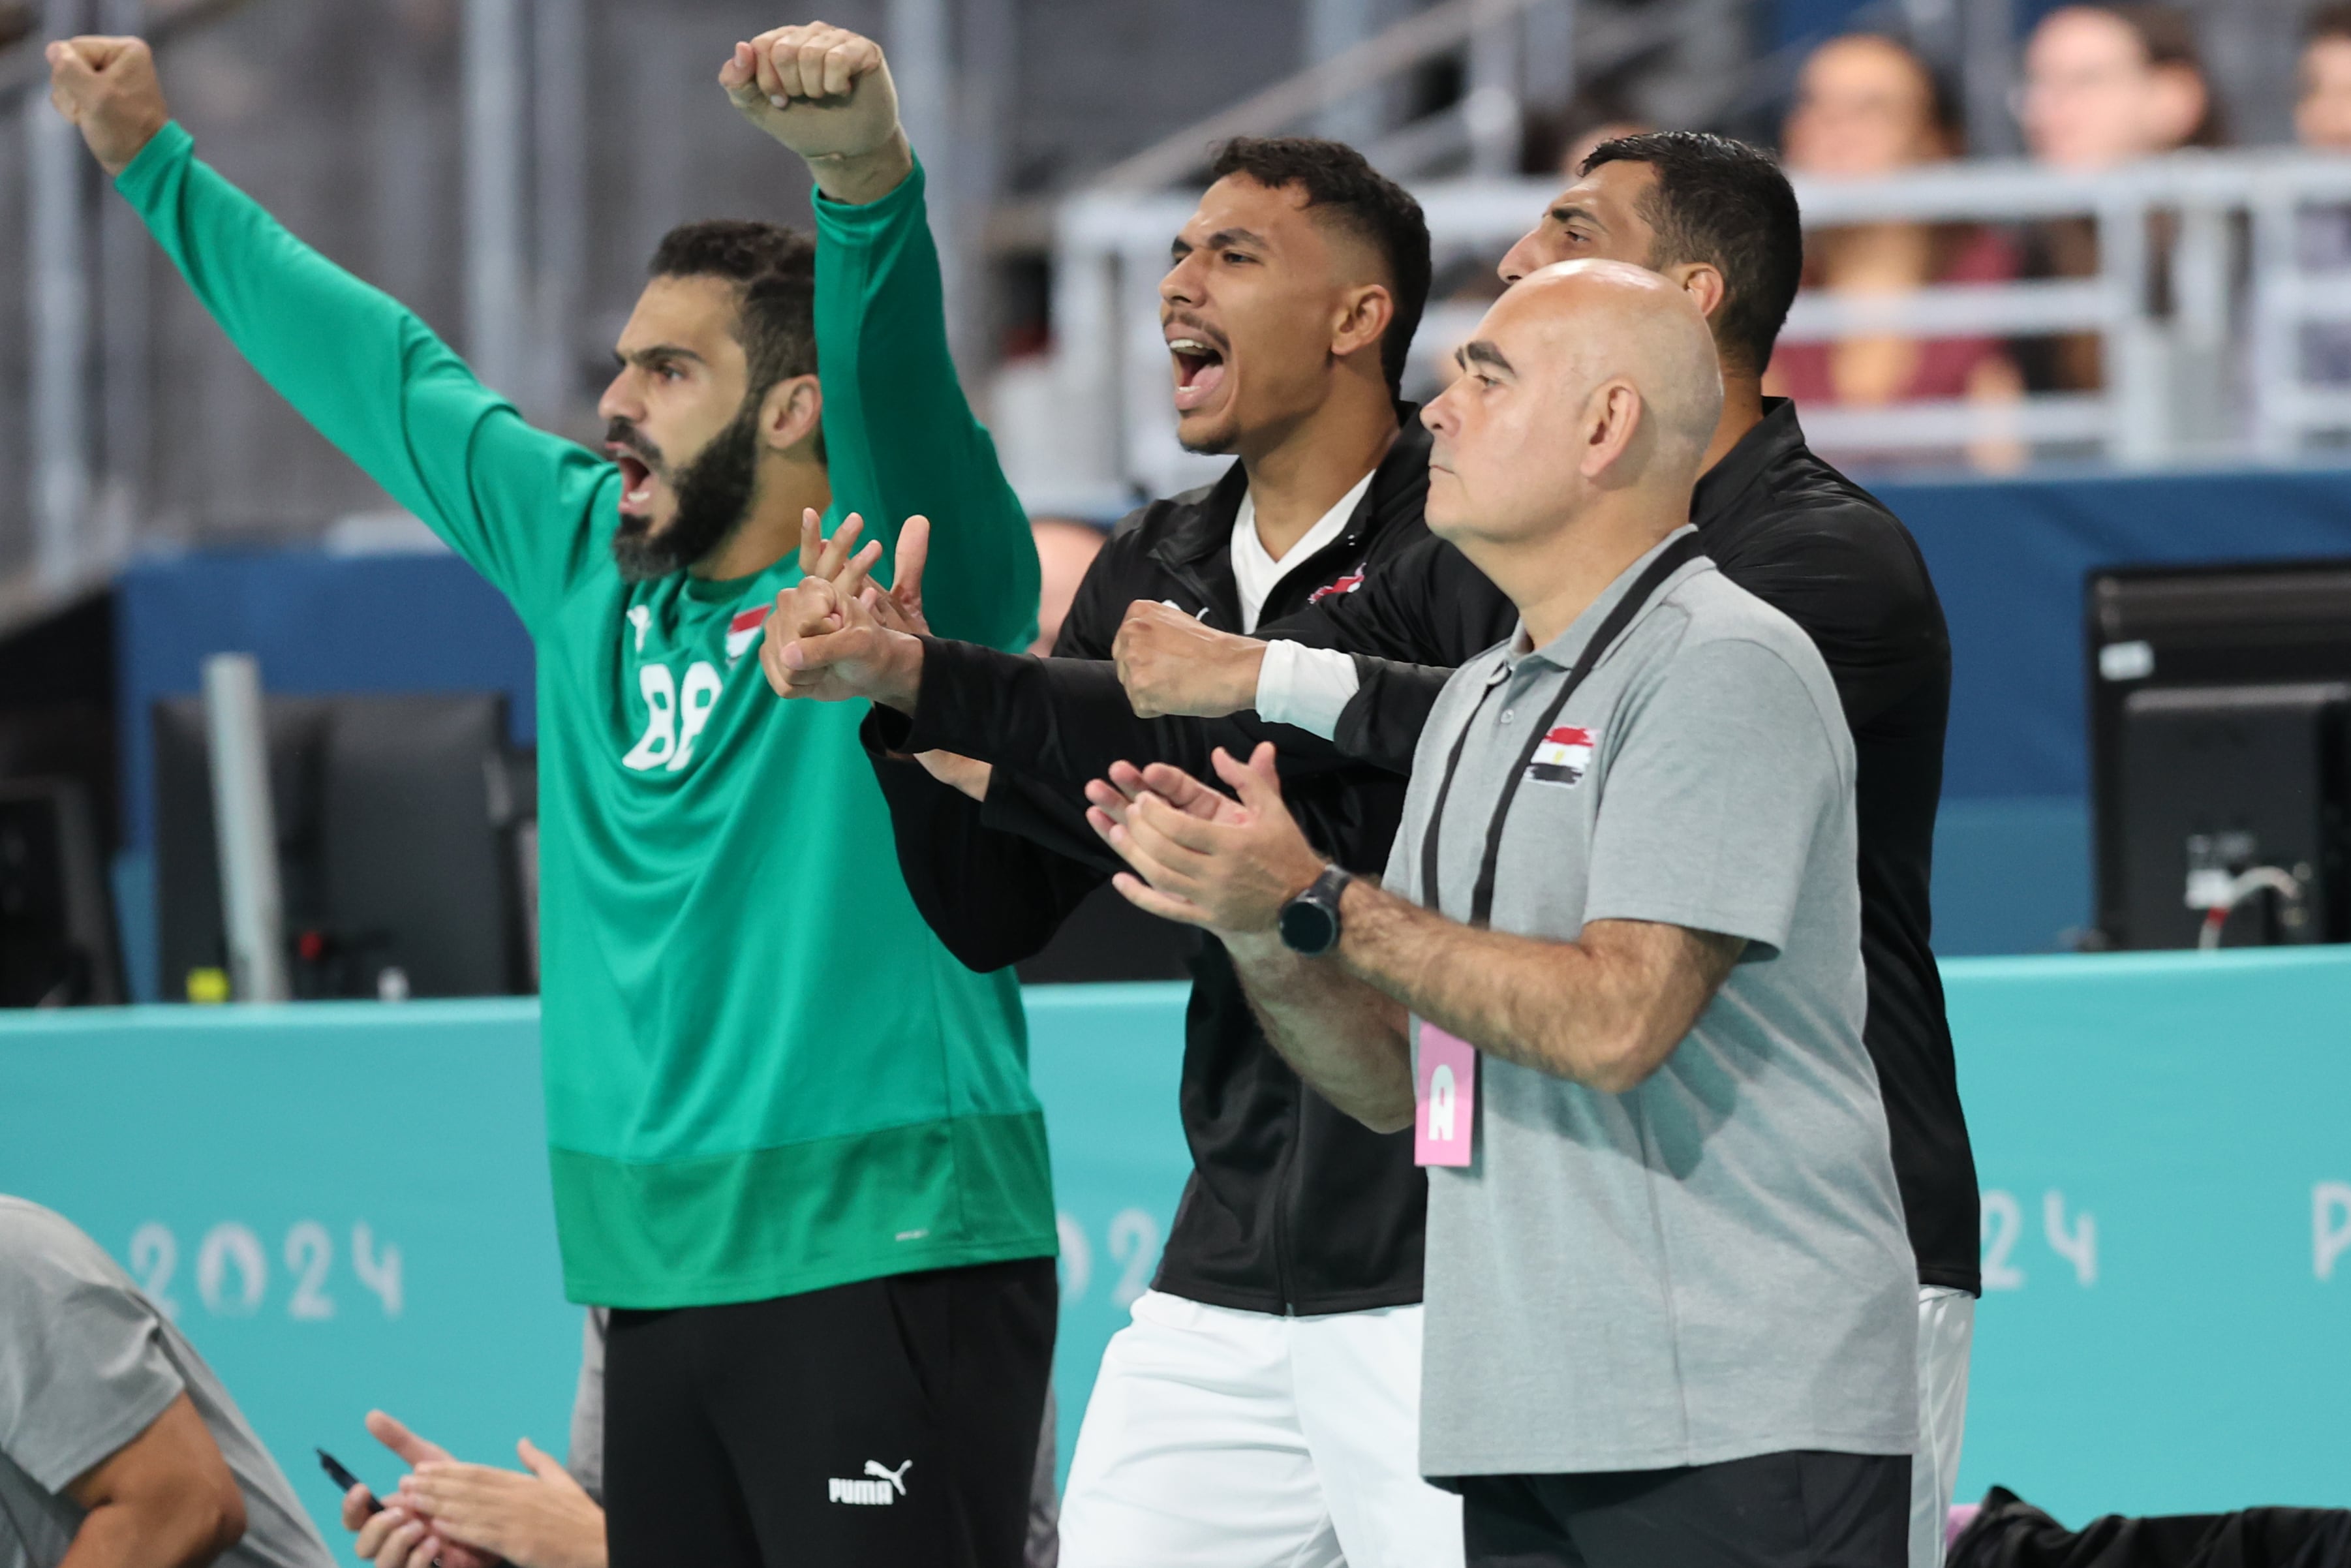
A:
(1309, 922)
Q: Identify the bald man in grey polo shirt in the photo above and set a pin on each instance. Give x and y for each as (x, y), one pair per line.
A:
(1614, 979)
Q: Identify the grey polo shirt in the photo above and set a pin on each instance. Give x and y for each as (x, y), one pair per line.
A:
(86, 1363)
(1714, 1264)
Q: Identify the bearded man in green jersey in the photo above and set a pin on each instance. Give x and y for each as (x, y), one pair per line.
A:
(823, 1219)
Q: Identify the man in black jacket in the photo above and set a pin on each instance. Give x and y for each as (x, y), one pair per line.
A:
(1718, 218)
(1263, 1405)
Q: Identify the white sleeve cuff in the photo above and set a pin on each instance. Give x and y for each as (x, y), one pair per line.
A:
(1305, 686)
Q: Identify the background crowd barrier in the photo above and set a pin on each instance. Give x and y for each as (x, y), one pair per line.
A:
(346, 1206)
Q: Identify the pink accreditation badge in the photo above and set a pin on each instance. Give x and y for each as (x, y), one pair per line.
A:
(1444, 1098)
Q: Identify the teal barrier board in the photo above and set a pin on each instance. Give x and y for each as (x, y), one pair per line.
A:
(346, 1206)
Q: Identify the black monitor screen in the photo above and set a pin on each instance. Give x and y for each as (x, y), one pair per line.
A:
(394, 818)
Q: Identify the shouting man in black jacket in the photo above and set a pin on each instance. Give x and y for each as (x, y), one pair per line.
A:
(1263, 1405)
(1717, 218)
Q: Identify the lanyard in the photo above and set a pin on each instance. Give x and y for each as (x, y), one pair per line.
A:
(1481, 899)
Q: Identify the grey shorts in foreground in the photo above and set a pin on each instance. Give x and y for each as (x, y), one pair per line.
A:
(1797, 1509)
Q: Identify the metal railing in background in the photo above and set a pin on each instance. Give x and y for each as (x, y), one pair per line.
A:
(2211, 368)
(88, 304)
(83, 510)
(1485, 120)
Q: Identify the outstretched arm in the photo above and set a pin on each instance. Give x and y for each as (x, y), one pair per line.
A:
(525, 507)
(1360, 669)
(900, 438)
(1060, 721)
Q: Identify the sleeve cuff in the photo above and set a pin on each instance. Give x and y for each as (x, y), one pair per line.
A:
(846, 220)
(1308, 687)
(138, 1394)
(165, 149)
(886, 732)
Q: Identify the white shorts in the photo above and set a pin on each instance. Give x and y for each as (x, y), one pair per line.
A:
(1946, 1332)
(1245, 1440)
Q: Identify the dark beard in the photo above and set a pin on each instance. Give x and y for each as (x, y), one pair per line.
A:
(714, 496)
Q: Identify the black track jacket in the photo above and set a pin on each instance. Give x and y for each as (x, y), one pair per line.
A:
(1777, 521)
(1293, 1207)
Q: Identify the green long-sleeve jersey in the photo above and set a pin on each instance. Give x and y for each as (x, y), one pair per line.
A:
(764, 1074)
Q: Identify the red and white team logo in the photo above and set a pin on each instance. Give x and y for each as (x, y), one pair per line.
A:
(1562, 757)
(744, 631)
(1347, 584)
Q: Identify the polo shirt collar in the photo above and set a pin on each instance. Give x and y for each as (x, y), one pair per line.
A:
(1562, 651)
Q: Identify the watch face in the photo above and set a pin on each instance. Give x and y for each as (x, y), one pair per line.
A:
(1309, 928)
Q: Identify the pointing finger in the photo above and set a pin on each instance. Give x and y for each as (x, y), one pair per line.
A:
(852, 583)
(836, 549)
(811, 540)
(914, 554)
(1254, 782)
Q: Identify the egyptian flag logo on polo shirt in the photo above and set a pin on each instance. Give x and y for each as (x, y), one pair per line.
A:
(744, 631)
(1562, 757)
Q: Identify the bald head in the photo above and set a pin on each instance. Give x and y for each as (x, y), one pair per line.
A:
(1590, 384)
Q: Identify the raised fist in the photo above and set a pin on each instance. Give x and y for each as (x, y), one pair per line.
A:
(108, 88)
(822, 90)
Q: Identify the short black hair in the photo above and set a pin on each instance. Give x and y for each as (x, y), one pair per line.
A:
(1360, 200)
(773, 269)
(2327, 21)
(1728, 204)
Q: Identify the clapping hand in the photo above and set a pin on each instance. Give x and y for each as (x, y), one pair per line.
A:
(402, 1534)
(1229, 863)
(827, 641)
(535, 1518)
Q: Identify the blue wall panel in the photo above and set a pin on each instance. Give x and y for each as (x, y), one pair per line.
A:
(2009, 558)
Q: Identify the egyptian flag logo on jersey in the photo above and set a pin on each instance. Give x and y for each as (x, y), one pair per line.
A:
(1562, 757)
(1347, 584)
(744, 631)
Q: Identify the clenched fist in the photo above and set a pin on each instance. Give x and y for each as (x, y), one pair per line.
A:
(108, 88)
(824, 92)
(1170, 664)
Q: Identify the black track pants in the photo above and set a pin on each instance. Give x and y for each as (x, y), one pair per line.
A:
(1796, 1510)
(887, 1424)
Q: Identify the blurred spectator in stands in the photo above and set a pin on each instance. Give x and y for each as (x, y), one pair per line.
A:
(1065, 547)
(2322, 122)
(1867, 107)
(2322, 110)
(2105, 85)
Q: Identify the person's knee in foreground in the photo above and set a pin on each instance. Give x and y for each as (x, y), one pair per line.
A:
(1614, 981)
(118, 1446)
